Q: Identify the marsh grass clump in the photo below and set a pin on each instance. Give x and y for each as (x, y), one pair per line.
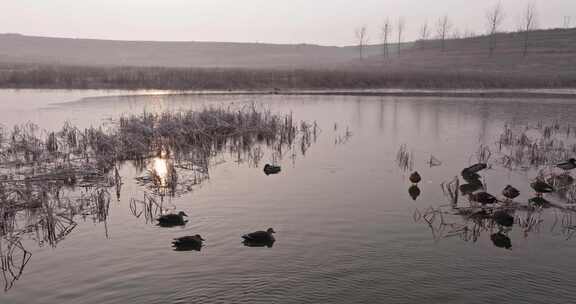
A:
(536, 146)
(52, 176)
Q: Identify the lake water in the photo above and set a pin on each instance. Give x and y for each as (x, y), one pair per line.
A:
(347, 229)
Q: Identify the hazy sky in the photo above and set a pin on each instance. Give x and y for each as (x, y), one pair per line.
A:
(277, 21)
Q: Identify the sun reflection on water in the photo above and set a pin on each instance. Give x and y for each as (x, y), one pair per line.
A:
(161, 169)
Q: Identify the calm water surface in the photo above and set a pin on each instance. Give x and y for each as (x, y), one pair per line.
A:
(346, 231)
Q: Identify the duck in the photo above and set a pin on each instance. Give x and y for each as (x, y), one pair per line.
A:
(541, 187)
(502, 218)
(500, 240)
(539, 201)
(169, 220)
(470, 188)
(189, 242)
(415, 177)
(568, 165)
(510, 192)
(483, 198)
(474, 168)
(271, 169)
(260, 236)
(414, 192)
(471, 177)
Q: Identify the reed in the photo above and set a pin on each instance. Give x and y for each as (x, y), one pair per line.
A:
(405, 159)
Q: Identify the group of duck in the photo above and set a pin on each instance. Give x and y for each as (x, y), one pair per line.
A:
(259, 238)
(475, 190)
(195, 242)
(474, 184)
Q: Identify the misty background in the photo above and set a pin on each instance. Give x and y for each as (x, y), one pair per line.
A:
(326, 22)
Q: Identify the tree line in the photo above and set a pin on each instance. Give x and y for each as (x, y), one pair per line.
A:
(392, 31)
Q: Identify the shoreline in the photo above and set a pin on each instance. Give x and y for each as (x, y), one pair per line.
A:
(485, 94)
(559, 94)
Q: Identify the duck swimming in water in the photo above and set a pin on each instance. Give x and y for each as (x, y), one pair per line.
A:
(271, 169)
(570, 164)
(415, 177)
(414, 192)
(483, 198)
(260, 237)
(501, 240)
(539, 201)
(190, 242)
(170, 220)
(510, 192)
(471, 187)
(502, 218)
(471, 177)
(474, 168)
(541, 187)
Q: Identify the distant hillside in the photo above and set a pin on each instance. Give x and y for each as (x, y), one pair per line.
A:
(35, 62)
(550, 52)
(16, 48)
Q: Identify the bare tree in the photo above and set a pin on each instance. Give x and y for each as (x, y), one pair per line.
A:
(362, 40)
(401, 24)
(456, 34)
(424, 32)
(494, 18)
(528, 25)
(442, 29)
(469, 33)
(567, 21)
(386, 33)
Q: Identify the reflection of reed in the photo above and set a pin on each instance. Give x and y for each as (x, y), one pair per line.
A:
(149, 207)
(405, 159)
(47, 218)
(14, 258)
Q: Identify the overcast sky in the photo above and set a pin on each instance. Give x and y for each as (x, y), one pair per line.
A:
(329, 22)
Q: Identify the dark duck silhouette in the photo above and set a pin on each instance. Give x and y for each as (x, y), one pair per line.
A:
(471, 177)
(271, 169)
(171, 220)
(570, 164)
(471, 188)
(539, 201)
(187, 243)
(414, 192)
(501, 240)
(260, 238)
(474, 168)
(483, 198)
(415, 177)
(510, 192)
(502, 218)
(541, 186)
